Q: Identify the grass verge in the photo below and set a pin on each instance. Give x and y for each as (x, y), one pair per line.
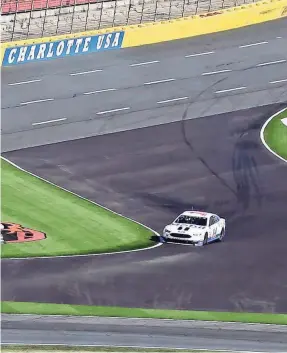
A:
(104, 311)
(275, 134)
(72, 225)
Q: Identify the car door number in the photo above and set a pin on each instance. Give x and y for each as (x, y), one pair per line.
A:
(213, 232)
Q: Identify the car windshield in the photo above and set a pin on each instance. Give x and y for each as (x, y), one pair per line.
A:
(199, 221)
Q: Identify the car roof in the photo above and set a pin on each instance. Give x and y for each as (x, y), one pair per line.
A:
(198, 214)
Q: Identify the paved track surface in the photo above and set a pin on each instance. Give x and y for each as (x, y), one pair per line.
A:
(147, 333)
(70, 101)
(152, 174)
(215, 163)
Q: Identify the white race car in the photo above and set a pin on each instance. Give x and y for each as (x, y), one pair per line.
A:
(195, 227)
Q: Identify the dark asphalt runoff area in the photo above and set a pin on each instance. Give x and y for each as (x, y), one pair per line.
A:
(153, 333)
(215, 163)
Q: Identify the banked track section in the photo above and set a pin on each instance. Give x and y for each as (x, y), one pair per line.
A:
(173, 167)
(86, 96)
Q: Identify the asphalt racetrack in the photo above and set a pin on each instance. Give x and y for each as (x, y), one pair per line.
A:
(206, 153)
(153, 333)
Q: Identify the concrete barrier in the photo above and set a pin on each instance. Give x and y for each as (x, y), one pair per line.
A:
(207, 23)
(48, 48)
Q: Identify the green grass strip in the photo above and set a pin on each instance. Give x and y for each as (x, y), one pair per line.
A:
(86, 310)
(73, 226)
(275, 135)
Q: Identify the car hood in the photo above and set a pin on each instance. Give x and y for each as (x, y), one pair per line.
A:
(185, 228)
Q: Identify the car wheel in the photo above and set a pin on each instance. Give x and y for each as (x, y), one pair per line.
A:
(205, 241)
(221, 234)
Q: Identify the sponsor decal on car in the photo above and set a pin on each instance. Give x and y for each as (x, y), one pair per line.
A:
(16, 233)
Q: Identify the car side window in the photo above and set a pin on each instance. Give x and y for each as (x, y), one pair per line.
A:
(216, 219)
(211, 221)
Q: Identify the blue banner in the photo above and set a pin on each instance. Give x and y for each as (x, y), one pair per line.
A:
(62, 48)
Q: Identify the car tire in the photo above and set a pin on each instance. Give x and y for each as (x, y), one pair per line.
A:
(205, 241)
(222, 233)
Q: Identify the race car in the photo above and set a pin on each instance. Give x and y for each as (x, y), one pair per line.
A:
(195, 227)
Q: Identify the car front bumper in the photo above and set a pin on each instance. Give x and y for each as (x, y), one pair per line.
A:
(181, 240)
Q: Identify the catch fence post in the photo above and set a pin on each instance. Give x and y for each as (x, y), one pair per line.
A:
(169, 13)
(142, 11)
(183, 8)
(87, 17)
(72, 22)
(115, 10)
(155, 11)
(15, 19)
(101, 14)
(128, 16)
(43, 26)
(29, 21)
(60, 11)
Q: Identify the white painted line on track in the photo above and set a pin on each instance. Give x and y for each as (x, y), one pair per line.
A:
(86, 255)
(145, 63)
(49, 121)
(262, 135)
(161, 81)
(92, 202)
(100, 91)
(172, 100)
(85, 72)
(278, 81)
(230, 89)
(23, 82)
(272, 63)
(215, 72)
(38, 101)
(113, 110)
(278, 37)
(252, 44)
(200, 54)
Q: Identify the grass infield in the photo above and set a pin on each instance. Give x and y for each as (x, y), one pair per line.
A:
(275, 134)
(72, 225)
(104, 311)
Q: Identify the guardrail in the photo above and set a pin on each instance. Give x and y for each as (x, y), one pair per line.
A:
(25, 19)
